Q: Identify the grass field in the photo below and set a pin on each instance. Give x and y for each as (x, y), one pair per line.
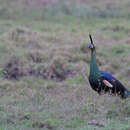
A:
(44, 51)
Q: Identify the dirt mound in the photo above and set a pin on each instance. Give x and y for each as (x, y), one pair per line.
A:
(14, 68)
(57, 70)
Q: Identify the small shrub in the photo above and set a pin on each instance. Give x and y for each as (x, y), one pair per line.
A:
(111, 114)
(38, 124)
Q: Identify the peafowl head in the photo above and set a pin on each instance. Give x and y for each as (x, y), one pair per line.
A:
(91, 45)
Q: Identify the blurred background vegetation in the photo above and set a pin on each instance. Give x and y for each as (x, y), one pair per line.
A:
(79, 8)
(43, 48)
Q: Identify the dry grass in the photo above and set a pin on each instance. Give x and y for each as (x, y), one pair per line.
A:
(48, 64)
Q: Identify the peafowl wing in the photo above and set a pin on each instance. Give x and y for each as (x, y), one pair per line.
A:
(114, 85)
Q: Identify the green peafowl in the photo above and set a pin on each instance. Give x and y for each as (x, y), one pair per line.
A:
(103, 82)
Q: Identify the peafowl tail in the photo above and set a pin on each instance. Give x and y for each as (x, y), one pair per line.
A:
(129, 93)
(126, 94)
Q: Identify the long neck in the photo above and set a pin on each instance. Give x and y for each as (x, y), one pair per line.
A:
(94, 70)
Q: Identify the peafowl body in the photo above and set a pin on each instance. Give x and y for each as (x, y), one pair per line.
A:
(103, 82)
